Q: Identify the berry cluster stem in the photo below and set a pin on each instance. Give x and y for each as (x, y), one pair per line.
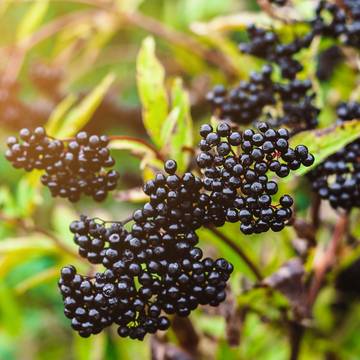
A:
(251, 265)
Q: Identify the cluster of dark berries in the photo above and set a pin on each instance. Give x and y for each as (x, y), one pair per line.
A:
(353, 6)
(152, 270)
(348, 111)
(337, 179)
(236, 167)
(330, 21)
(244, 103)
(266, 45)
(341, 25)
(71, 168)
(248, 102)
(156, 268)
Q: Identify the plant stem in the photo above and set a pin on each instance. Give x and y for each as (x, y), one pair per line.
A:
(238, 250)
(139, 141)
(296, 335)
(328, 258)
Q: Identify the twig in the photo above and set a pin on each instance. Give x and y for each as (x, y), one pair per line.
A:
(181, 39)
(238, 250)
(315, 211)
(296, 335)
(328, 258)
(139, 141)
(186, 334)
(18, 52)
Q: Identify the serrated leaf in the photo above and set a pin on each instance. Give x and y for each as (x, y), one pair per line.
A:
(325, 142)
(151, 88)
(32, 19)
(58, 114)
(82, 113)
(180, 139)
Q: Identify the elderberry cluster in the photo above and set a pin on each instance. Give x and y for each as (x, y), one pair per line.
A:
(330, 21)
(337, 179)
(249, 101)
(71, 168)
(267, 45)
(341, 25)
(153, 269)
(235, 167)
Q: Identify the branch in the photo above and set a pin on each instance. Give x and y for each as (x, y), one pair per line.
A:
(296, 335)
(328, 258)
(238, 250)
(187, 42)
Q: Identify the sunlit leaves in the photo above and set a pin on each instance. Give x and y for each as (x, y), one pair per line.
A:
(150, 80)
(80, 115)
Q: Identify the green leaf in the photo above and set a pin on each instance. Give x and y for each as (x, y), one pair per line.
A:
(26, 193)
(62, 217)
(169, 124)
(10, 313)
(58, 114)
(179, 131)
(128, 5)
(33, 18)
(92, 348)
(33, 243)
(134, 145)
(325, 142)
(81, 114)
(150, 82)
(36, 280)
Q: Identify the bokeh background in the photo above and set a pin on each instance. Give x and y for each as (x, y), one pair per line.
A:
(57, 54)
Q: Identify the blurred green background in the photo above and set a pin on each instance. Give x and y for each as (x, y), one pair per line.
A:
(77, 59)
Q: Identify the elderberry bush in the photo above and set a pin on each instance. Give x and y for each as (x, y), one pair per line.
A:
(72, 168)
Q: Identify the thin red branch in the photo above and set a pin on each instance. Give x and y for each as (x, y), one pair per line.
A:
(328, 259)
(251, 265)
